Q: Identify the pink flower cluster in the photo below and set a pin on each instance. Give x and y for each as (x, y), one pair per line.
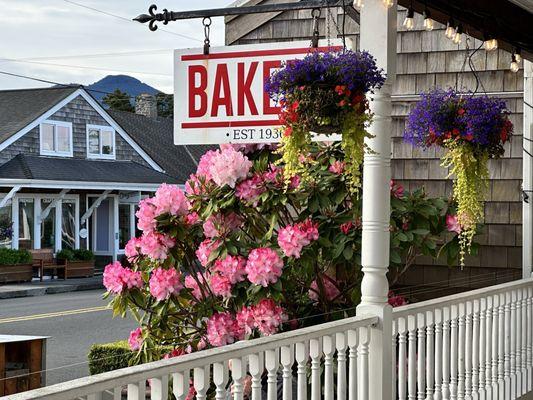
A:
(156, 245)
(135, 340)
(192, 284)
(250, 189)
(164, 283)
(224, 167)
(132, 249)
(330, 289)
(337, 167)
(396, 190)
(231, 267)
(205, 250)
(267, 317)
(452, 224)
(146, 215)
(223, 329)
(293, 238)
(220, 225)
(396, 300)
(220, 285)
(170, 199)
(264, 266)
(118, 278)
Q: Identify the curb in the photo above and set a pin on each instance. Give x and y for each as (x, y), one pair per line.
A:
(41, 291)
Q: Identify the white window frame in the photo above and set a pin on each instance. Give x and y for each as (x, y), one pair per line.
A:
(56, 153)
(113, 136)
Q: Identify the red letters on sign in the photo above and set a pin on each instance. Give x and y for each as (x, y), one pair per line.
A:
(197, 91)
(268, 66)
(244, 84)
(221, 85)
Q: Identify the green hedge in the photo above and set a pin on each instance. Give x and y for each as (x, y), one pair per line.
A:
(12, 257)
(109, 357)
(75, 255)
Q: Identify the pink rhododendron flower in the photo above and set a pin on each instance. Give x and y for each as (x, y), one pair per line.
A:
(337, 167)
(205, 249)
(229, 166)
(273, 174)
(250, 189)
(146, 215)
(219, 225)
(156, 245)
(170, 199)
(245, 319)
(452, 223)
(330, 289)
(135, 340)
(295, 182)
(264, 266)
(346, 227)
(193, 186)
(220, 285)
(191, 283)
(174, 353)
(268, 316)
(118, 278)
(293, 238)
(396, 300)
(232, 267)
(396, 190)
(164, 283)
(192, 218)
(206, 163)
(202, 344)
(132, 248)
(222, 329)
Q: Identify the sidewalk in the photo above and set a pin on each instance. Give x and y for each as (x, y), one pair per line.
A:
(37, 288)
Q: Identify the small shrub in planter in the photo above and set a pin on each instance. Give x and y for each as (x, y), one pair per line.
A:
(80, 261)
(14, 257)
(83, 255)
(15, 265)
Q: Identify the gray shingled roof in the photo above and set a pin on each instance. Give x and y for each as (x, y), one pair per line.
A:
(18, 108)
(74, 169)
(156, 137)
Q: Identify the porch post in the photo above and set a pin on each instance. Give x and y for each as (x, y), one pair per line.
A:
(15, 220)
(37, 223)
(378, 36)
(527, 219)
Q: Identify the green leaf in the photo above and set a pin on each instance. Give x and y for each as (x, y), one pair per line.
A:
(395, 257)
(348, 253)
(421, 232)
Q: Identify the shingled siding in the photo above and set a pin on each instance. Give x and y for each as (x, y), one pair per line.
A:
(80, 113)
(426, 59)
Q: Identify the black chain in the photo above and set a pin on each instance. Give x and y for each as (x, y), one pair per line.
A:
(207, 30)
(315, 13)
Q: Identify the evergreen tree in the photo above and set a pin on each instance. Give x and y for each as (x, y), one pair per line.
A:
(165, 105)
(119, 101)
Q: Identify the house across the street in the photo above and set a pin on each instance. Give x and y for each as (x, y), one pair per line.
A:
(72, 173)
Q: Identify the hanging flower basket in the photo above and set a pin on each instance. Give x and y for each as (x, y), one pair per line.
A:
(472, 129)
(325, 93)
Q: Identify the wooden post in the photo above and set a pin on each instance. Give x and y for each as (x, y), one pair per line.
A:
(378, 36)
(527, 220)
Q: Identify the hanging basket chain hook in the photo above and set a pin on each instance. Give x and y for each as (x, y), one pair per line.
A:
(315, 13)
(207, 30)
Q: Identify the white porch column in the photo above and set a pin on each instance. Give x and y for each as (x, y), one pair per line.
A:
(37, 224)
(115, 230)
(527, 219)
(15, 219)
(59, 226)
(378, 36)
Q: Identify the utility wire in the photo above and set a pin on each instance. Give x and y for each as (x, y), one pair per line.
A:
(95, 55)
(127, 19)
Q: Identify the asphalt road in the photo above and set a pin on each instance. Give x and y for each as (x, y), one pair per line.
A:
(74, 321)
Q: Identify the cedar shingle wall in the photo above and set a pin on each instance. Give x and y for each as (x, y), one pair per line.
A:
(426, 59)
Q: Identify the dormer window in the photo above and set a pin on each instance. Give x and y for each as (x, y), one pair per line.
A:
(56, 138)
(100, 142)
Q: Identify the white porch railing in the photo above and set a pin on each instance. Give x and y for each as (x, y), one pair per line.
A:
(474, 345)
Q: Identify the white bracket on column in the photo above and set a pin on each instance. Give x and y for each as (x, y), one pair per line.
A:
(10, 195)
(52, 204)
(94, 206)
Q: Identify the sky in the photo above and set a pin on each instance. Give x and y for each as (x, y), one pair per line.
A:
(41, 34)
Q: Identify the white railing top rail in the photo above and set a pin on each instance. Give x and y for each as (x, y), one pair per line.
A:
(110, 380)
(440, 302)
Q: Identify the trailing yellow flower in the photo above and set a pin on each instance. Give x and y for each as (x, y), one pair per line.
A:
(470, 185)
(292, 149)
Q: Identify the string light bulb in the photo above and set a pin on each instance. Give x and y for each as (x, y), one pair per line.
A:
(450, 29)
(409, 22)
(491, 44)
(514, 64)
(388, 3)
(458, 35)
(358, 3)
(429, 24)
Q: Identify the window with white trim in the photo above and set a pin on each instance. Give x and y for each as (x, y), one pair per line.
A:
(100, 141)
(56, 138)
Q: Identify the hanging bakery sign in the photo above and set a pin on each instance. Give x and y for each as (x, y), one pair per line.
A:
(220, 98)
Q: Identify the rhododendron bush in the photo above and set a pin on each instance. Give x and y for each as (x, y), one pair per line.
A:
(243, 253)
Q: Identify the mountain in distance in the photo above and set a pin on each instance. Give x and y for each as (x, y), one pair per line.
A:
(124, 83)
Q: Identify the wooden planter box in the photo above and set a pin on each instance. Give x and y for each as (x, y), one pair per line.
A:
(16, 273)
(78, 269)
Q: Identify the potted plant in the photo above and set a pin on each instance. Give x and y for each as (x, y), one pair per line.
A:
(15, 266)
(325, 93)
(79, 262)
(471, 129)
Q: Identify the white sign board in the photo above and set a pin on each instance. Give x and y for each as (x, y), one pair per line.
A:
(220, 97)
